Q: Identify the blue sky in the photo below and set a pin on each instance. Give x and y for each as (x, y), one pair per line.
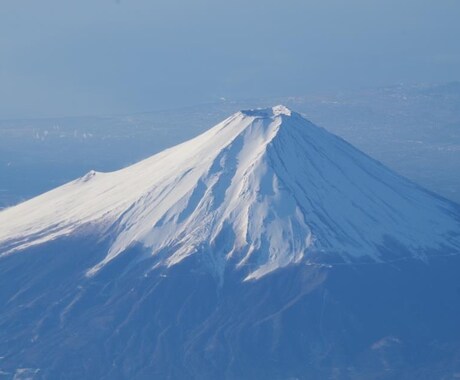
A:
(104, 56)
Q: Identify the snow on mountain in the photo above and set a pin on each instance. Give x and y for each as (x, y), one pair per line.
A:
(263, 189)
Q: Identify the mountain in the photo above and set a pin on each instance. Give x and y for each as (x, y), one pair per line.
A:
(264, 248)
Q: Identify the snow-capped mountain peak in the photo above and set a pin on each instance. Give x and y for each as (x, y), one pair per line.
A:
(269, 112)
(261, 190)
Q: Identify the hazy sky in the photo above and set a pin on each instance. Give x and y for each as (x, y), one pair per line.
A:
(81, 57)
